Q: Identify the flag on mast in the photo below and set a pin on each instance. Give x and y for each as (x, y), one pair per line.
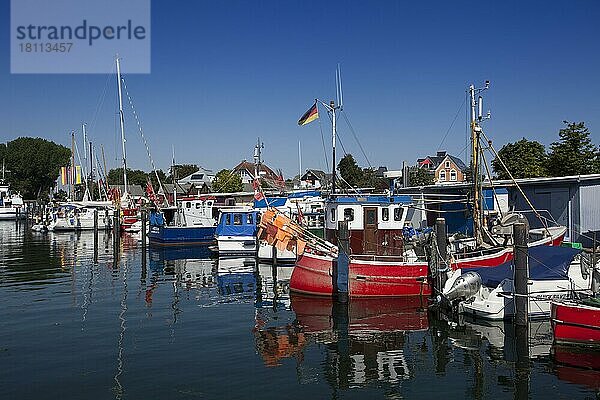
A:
(310, 115)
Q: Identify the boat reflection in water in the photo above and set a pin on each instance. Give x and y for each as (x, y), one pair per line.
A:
(577, 364)
(364, 340)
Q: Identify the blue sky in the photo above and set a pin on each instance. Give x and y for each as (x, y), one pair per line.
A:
(224, 73)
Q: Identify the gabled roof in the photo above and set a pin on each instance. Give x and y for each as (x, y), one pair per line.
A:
(437, 160)
(249, 167)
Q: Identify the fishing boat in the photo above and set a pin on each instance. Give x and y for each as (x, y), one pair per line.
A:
(236, 232)
(577, 321)
(554, 273)
(190, 222)
(304, 207)
(387, 255)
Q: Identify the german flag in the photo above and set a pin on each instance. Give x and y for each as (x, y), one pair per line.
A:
(309, 116)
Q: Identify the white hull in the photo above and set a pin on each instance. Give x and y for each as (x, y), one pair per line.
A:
(236, 245)
(265, 252)
(78, 224)
(498, 303)
(10, 213)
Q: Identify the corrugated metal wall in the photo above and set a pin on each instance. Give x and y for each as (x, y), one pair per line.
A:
(589, 208)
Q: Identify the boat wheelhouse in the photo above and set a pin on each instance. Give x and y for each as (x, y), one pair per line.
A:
(236, 232)
(192, 222)
(375, 223)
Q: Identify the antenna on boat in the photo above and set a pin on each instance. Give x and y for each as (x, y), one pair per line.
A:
(257, 158)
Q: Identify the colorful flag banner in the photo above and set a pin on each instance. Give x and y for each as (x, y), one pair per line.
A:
(63, 175)
(78, 175)
(309, 116)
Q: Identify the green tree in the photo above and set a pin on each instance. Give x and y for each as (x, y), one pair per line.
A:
(227, 181)
(134, 177)
(33, 164)
(419, 177)
(524, 159)
(574, 153)
(162, 176)
(370, 180)
(350, 171)
(183, 170)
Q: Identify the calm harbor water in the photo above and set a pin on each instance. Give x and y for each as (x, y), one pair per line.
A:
(75, 325)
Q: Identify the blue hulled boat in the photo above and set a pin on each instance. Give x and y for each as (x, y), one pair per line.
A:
(190, 223)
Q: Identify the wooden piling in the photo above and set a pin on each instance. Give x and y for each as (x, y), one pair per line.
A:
(95, 235)
(441, 239)
(521, 300)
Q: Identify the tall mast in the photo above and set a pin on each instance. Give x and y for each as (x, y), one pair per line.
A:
(299, 162)
(476, 118)
(72, 174)
(174, 176)
(122, 123)
(332, 106)
(257, 158)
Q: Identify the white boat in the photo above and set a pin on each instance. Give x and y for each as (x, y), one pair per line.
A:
(11, 204)
(75, 216)
(236, 232)
(554, 273)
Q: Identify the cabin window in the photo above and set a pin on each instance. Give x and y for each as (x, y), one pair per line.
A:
(442, 176)
(198, 205)
(398, 213)
(348, 214)
(385, 214)
(250, 220)
(453, 175)
(209, 204)
(188, 204)
(333, 215)
(227, 219)
(237, 219)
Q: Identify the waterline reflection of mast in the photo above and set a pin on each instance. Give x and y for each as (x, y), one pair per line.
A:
(118, 388)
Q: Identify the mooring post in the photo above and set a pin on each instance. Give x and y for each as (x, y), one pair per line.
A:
(521, 274)
(441, 240)
(595, 272)
(116, 230)
(341, 269)
(144, 217)
(95, 235)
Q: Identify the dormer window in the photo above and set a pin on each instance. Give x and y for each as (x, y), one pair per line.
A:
(447, 164)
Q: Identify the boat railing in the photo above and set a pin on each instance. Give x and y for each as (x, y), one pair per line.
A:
(373, 257)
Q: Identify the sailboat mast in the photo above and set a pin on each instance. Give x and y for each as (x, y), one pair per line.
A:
(72, 174)
(333, 139)
(122, 123)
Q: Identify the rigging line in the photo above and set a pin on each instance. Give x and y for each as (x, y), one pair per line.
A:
(516, 184)
(356, 138)
(452, 124)
(142, 133)
(487, 171)
(324, 147)
(100, 103)
(338, 136)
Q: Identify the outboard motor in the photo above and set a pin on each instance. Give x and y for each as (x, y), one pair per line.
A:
(464, 287)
